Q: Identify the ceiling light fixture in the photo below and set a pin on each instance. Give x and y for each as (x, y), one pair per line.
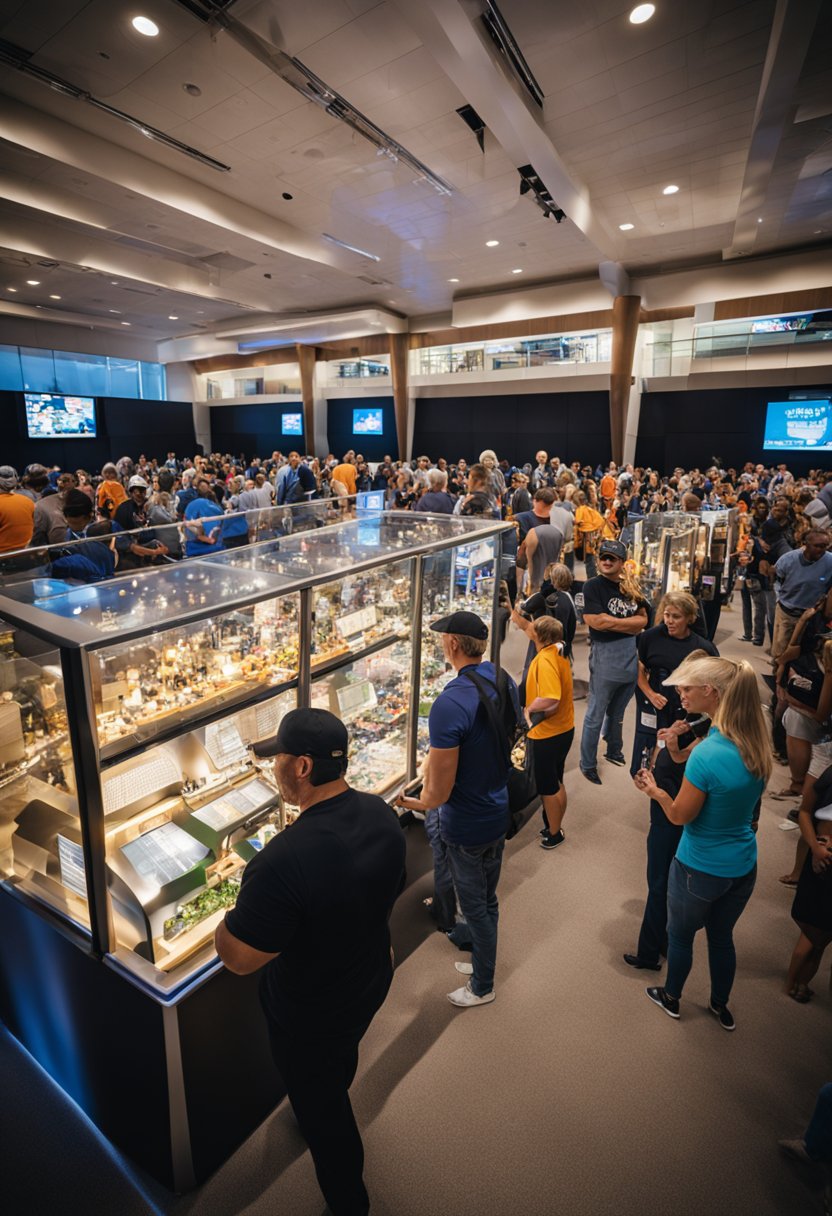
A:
(192, 89)
(492, 244)
(759, 219)
(626, 227)
(125, 322)
(449, 280)
(33, 282)
(333, 240)
(642, 13)
(54, 297)
(172, 318)
(501, 35)
(670, 190)
(143, 25)
(532, 183)
(115, 311)
(517, 271)
(12, 289)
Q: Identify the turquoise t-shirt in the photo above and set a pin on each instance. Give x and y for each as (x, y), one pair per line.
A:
(720, 840)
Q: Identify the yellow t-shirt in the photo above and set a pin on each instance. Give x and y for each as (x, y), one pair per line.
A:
(550, 675)
(346, 474)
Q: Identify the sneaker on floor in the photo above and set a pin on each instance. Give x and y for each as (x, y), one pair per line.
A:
(726, 1017)
(552, 840)
(465, 998)
(756, 643)
(465, 968)
(797, 1150)
(615, 759)
(659, 997)
(743, 637)
(633, 960)
(591, 774)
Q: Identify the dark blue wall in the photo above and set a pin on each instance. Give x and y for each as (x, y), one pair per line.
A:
(691, 428)
(574, 426)
(126, 427)
(255, 430)
(339, 428)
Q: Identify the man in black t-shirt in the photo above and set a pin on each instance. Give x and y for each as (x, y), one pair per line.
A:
(313, 910)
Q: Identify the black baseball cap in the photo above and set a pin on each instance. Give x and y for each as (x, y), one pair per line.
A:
(613, 548)
(468, 624)
(308, 732)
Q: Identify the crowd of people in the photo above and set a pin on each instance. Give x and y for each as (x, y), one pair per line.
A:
(703, 746)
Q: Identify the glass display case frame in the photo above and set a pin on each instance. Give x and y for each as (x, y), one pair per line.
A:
(663, 550)
(155, 605)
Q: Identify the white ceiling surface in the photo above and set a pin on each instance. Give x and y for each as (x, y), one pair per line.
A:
(628, 109)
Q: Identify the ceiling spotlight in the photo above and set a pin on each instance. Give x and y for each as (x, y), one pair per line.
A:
(492, 244)
(33, 282)
(642, 13)
(115, 311)
(519, 270)
(626, 227)
(143, 25)
(12, 289)
(759, 219)
(125, 322)
(670, 190)
(192, 89)
(172, 318)
(54, 297)
(449, 280)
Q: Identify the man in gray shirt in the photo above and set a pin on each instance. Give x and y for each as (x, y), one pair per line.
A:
(801, 578)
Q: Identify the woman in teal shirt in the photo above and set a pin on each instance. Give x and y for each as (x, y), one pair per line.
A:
(715, 867)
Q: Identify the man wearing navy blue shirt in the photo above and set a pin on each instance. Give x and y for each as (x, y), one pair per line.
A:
(466, 780)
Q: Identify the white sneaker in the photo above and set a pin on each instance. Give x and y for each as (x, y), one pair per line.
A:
(465, 968)
(465, 998)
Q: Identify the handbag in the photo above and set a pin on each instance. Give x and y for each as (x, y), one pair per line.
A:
(513, 746)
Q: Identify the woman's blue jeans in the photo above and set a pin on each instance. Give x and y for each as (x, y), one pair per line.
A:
(696, 900)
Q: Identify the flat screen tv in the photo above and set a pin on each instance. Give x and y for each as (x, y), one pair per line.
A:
(368, 421)
(798, 426)
(292, 424)
(49, 416)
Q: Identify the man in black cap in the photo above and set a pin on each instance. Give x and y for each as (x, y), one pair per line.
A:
(615, 612)
(466, 780)
(313, 910)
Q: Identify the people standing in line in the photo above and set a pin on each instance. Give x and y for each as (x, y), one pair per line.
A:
(713, 873)
(800, 577)
(755, 588)
(661, 649)
(313, 912)
(543, 548)
(466, 779)
(615, 611)
(550, 713)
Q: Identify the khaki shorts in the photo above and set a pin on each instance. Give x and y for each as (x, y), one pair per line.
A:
(821, 759)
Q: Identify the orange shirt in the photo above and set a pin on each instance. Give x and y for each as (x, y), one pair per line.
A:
(113, 490)
(346, 474)
(550, 675)
(16, 515)
(608, 486)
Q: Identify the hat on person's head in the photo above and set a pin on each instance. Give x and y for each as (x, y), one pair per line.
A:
(8, 477)
(308, 732)
(468, 624)
(137, 483)
(613, 548)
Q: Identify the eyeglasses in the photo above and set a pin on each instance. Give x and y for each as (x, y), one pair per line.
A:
(608, 558)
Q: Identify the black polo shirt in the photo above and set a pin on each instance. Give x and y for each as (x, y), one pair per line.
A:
(320, 895)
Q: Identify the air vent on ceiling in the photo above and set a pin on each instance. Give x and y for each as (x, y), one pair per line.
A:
(371, 282)
(226, 261)
(472, 119)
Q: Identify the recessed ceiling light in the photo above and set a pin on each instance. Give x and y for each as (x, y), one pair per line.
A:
(626, 227)
(54, 297)
(33, 282)
(12, 289)
(143, 25)
(114, 282)
(492, 244)
(449, 280)
(642, 13)
(193, 89)
(172, 318)
(125, 322)
(670, 190)
(116, 311)
(519, 270)
(759, 219)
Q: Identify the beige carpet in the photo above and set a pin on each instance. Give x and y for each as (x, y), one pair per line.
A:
(572, 1093)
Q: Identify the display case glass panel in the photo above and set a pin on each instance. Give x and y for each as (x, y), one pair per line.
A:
(453, 580)
(182, 820)
(361, 610)
(40, 828)
(371, 697)
(679, 571)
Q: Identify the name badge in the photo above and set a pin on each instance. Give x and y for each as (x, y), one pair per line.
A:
(649, 720)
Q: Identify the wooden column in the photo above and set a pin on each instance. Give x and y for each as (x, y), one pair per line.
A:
(399, 350)
(306, 362)
(625, 317)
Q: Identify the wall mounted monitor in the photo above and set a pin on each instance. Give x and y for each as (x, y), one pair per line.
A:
(368, 421)
(49, 416)
(798, 426)
(292, 424)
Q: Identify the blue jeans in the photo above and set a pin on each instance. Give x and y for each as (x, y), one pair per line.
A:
(443, 909)
(476, 872)
(818, 1137)
(662, 842)
(696, 900)
(611, 688)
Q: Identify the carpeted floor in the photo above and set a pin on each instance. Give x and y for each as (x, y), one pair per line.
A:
(570, 1094)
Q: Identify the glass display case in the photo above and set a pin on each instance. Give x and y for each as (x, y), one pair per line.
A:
(174, 672)
(718, 547)
(663, 553)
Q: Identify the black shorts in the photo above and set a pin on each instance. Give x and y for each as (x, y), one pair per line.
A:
(550, 759)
